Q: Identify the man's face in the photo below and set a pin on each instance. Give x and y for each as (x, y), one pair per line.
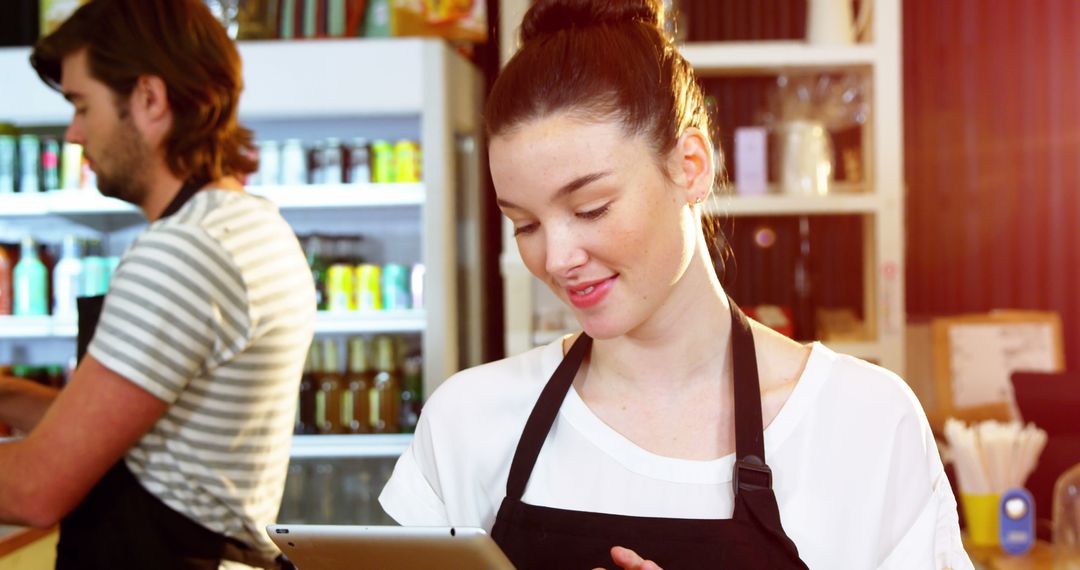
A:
(115, 149)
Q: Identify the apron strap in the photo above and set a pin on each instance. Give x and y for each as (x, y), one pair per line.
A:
(750, 472)
(543, 416)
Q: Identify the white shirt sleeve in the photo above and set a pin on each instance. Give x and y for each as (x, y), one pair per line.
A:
(409, 497)
(932, 540)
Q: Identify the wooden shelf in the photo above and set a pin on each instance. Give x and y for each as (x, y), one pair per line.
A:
(866, 350)
(768, 57)
(780, 204)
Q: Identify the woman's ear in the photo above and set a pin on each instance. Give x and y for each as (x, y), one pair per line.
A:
(693, 168)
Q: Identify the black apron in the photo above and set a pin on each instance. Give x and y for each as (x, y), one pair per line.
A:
(120, 524)
(544, 537)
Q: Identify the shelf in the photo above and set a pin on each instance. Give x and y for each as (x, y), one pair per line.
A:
(787, 205)
(330, 196)
(340, 446)
(21, 205)
(765, 57)
(400, 321)
(282, 79)
(544, 338)
(406, 321)
(26, 327)
(866, 350)
(332, 78)
(342, 195)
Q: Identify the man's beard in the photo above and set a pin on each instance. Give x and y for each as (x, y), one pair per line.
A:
(121, 175)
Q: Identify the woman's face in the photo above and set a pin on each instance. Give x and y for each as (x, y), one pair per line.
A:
(595, 218)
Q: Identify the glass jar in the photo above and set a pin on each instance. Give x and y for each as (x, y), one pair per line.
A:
(1066, 520)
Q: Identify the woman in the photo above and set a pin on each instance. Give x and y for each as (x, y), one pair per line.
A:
(672, 429)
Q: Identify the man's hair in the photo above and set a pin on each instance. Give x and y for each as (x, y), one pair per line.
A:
(180, 42)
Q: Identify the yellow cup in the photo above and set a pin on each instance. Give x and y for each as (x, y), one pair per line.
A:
(981, 516)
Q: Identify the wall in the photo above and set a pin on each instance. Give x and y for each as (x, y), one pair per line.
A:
(992, 142)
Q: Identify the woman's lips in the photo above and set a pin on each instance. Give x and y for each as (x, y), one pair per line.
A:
(590, 294)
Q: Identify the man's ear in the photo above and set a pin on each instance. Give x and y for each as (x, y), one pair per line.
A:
(149, 107)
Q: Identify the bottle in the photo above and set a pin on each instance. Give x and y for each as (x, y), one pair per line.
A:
(411, 393)
(328, 390)
(416, 286)
(67, 278)
(6, 305)
(30, 282)
(1065, 520)
(50, 164)
(305, 412)
(333, 157)
(95, 270)
(803, 308)
(385, 393)
(355, 399)
(359, 168)
(395, 287)
(318, 263)
(29, 164)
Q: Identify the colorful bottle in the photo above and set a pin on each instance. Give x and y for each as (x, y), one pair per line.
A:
(385, 393)
(416, 286)
(6, 269)
(30, 282)
(67, 278)
(305, 411)
(411, 393)
(317, 261)
(395, 287)
(328, 390)
(29, 164)
(355, 399)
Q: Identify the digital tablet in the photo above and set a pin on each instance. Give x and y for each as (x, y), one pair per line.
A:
(332, 547)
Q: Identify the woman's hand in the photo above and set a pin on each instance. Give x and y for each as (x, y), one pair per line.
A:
(629, 560)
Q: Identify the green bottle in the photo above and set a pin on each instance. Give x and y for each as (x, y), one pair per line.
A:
(31, 282)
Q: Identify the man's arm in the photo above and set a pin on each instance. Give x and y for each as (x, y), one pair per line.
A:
(89, 427)
(23, 402)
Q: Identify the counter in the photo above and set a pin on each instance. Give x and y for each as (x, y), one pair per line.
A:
(23, 548)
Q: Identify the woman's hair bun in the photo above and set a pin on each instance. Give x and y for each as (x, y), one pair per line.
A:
(550, 16)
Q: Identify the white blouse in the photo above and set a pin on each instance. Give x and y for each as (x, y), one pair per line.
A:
(856, 472)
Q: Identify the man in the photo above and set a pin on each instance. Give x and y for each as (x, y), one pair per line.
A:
(169, 446)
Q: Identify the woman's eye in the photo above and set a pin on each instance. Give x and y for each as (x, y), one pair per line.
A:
(594, 214)
(527, 229)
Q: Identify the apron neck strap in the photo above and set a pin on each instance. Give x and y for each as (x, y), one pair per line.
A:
(750, 471)
(543, 416)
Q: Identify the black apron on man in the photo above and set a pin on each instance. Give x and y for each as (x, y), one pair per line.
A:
(120, 524)
(544, 537)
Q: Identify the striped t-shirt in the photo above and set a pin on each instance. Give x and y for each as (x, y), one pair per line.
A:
(212, 310)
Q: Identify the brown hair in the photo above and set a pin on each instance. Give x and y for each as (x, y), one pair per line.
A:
(601, 60)
(180, 42)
